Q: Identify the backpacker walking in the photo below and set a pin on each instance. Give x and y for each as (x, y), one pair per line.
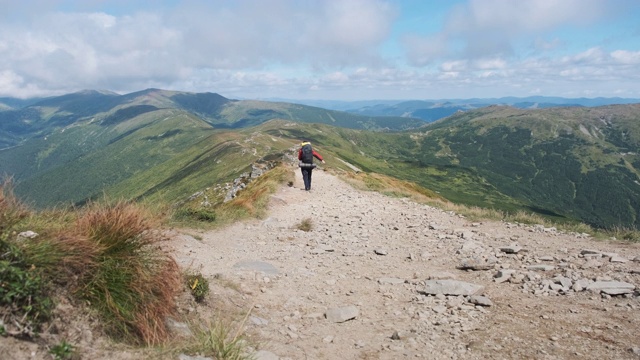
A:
(306, 155)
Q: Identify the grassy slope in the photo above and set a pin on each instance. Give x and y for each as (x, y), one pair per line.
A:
(564, 162)
(130, 147)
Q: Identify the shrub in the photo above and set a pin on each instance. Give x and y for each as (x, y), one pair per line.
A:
(198, 286)
(305, 225)
(218, 339)
(62, 351)
(24, 304)
(198, 214)
(132, 284)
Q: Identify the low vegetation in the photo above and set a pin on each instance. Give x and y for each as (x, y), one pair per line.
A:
(249, 202)
(24, 304)
(198, 286)
(305, 225)
(394, 187)
(106, 256)
(222, 339)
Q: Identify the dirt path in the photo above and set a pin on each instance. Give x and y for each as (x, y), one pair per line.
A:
(368, 259)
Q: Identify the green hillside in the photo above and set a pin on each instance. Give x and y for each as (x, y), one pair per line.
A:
(570, 163)
(44, 116)
(573, 163)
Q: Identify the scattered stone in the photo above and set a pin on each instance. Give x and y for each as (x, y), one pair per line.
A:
(476, 264)
(178, 328)
(591, 263)
(590, 252)
(503, 275)
(441, 276)
(259, 266)
(395, 336)
(611, 287)
(547, 258)
(565, 282)
(342, 314)
(471, 247)
(27, 235)
(433, 226)
(258, 321)
(467, 235)
(541, 267)
(618, 259)
(439, 309)
(451, 287)
(380, 252)
(390, 281)
(513, 249)
(480, 300)
(187, 357)
(265, 355)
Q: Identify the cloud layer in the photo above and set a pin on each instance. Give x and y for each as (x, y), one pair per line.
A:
(320, 49)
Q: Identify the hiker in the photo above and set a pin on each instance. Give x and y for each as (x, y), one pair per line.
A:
(306, 155)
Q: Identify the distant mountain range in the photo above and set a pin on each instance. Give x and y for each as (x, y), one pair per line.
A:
(570, 163)
(432, 110)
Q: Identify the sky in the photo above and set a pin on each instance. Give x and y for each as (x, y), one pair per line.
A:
(323, 49)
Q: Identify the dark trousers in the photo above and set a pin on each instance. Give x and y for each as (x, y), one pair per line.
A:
(306, 177)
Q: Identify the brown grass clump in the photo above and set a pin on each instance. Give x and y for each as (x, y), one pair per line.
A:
(11, 210)
(253, 200)
(132, 284)
(305, 225)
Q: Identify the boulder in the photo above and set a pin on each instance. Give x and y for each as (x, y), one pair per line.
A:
(451, 287)
(342, 314)
(611, 287)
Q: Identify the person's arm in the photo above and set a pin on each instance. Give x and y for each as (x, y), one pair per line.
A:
(318, 156)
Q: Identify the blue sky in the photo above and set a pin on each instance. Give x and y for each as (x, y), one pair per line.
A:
(323, 49)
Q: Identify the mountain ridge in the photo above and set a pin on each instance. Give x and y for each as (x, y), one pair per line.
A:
(161, 144)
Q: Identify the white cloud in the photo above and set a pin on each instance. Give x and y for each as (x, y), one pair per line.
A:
(541, 44)
(74, 50)
(626, 57)
(484, 28)
(315, 48)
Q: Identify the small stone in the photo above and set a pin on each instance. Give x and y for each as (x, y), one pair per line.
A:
(451, 287)
(476, 264)
(390, 281)
(265, 355)
(339, 315)
(27, 235)
(395, 336)
(513, 249)
(541, 267)
(480, 300)
(618, 259)
(380, 252)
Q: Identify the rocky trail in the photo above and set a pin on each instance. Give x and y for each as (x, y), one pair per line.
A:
(385, 278)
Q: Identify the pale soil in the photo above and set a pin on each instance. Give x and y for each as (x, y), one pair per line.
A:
(288, 279)
(352, 224)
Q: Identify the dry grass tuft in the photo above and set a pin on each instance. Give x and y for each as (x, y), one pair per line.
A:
(305, 225)
(132, 284)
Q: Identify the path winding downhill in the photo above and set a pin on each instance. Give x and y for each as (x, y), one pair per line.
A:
(374, 253)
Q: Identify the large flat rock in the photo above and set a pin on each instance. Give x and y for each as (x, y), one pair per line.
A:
(611, 287)
(451, 287)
